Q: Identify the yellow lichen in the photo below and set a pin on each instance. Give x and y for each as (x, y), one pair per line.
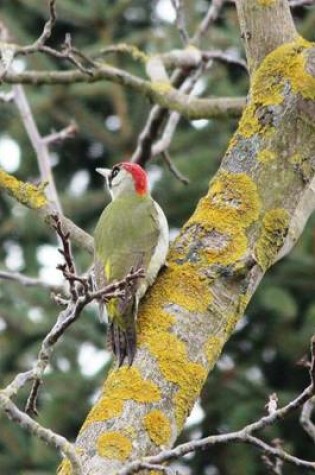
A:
(296, 159)
(172, 358)
(231, 205)
(224, 239)
(238, 192)
(27, 194)
(266, 3)
(248, 124)
(229, 248)
(161, 87)
(275, 226)
(121, 385)
(114, 445)
(191, 292)
(286, 64)
(65, 468)
(155, 322)
(134, 52)
(266, 156)
(303, 165)
(213, 348)
(189, 288)
(158, 427)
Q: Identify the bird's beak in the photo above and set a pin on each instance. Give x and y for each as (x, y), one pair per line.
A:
(105, 172)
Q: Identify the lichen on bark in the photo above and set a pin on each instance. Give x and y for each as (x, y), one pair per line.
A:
(218, 259)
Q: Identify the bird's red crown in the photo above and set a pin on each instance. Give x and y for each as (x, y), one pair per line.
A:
(139, 176)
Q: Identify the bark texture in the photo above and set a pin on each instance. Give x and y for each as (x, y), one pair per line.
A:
(265, 25)
(256, 207)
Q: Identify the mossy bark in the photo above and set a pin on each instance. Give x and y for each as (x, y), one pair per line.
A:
(34, 198)
(238, 230)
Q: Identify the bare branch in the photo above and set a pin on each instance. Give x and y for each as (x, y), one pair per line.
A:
(31, 403)
(66, 133)
(169, 129)
(48, 436)
(274, 465)
(124, 48)
(306, 418)
(38, 143)
(210, 17)
(224, 57)
(181, 21)
(173, 169)
(34, 198)
(68, 265)
(25, 111)
(167, 97)
(158, 114)
(29, 281)
(48, 27)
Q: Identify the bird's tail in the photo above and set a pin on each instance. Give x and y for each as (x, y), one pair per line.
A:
(123, 341)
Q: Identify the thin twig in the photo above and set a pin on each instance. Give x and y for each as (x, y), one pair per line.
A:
(48, 27)
(305, 418)
(174, 117)
(181, 21)
(210, 17)
(48, 436)
(61, 135)
(31, 403)
(167, 159)
(68, 265)
(27, 281)
(274, 464)
(38, 143)
(158, 114)
(224, 57)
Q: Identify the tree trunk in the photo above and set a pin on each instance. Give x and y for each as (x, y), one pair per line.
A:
(255, 209)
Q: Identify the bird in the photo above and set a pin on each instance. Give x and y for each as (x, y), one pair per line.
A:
(132, 234)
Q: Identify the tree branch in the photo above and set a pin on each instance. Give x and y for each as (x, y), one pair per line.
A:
(27, 281)
(306, 416)
(34, 198)
(46, 435)
(39, 144)
(244, 435)
(214, 266)
(162, 94)
(181, 21)
(259, 29)
(210, 17)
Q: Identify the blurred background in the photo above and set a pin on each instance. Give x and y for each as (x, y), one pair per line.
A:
(261, 356)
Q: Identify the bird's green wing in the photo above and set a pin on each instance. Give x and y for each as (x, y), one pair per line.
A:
(126, 237)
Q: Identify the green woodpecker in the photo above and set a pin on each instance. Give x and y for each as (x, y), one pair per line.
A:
(132, 233)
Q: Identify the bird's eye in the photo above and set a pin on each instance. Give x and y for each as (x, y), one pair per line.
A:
(115, 172)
